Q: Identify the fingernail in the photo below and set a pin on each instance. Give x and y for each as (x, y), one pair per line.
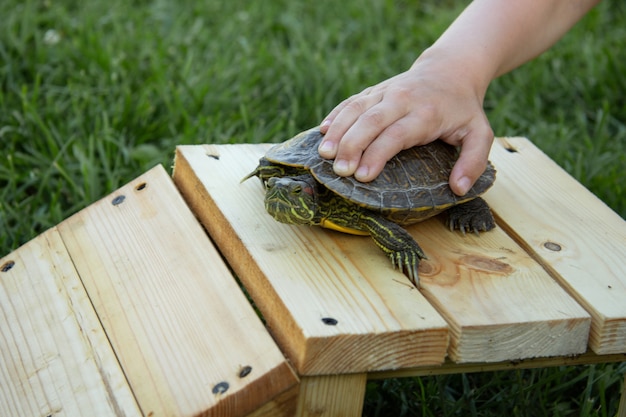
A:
(464, 184)
(341, 167)
(325, 123)
(327, 149)
(361, 173)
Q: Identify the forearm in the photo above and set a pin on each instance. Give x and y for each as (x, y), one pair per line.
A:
(441, 96)
(493, 37)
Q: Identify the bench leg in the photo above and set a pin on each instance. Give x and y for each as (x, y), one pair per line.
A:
(621, 411)
(331, 395)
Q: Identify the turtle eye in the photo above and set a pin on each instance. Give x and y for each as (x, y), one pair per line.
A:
(299, 189)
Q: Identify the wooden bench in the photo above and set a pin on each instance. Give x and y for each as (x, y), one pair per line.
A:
(129, 308)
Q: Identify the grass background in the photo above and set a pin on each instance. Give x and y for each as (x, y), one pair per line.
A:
(92, 94)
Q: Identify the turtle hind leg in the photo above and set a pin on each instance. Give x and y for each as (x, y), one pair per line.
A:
(397, 243)
(473, 216)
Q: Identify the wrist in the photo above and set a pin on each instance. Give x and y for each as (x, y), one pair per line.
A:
(457, 68)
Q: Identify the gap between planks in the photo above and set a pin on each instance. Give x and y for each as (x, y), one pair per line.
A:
(577, 238)
(497, 301)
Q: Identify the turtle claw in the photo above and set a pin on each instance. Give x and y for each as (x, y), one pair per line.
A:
(407, 263)
(473, 216)
(397, 243)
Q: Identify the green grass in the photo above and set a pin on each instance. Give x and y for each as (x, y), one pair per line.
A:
(92, 94)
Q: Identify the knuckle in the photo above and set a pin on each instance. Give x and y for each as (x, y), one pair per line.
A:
(402, 94)
(397, 131)
(427, 111)
(373, 117)
(355, 104)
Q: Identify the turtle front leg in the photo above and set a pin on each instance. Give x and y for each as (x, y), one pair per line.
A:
(473, 216)
(397, 243)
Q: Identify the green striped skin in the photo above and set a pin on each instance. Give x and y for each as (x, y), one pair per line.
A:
(300, 199)
(301, 188)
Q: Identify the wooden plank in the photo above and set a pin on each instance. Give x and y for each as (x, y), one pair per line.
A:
(498, 302)
(574, 235)
(284, 405)
(331, 395)
(54, 355)
(450, 367)
(187, 338)
(331, 300)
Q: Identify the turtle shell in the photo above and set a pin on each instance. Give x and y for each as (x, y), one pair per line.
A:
(412, 186)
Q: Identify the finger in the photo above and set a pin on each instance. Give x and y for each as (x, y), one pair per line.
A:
(386, 121)
(328, 120)
(341, 118)
(400, 135)
(472, 160)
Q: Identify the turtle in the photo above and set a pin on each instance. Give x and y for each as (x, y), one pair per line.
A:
(302, 188)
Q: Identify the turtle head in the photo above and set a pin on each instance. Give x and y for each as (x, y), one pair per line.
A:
(292, 200)
(265, 170)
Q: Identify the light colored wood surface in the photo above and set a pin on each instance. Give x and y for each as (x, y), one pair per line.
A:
(54, 355)
(178, 322)
(283, 405)
(299, 276)
(571, 232)
(498, 302)
(450, 367)
(128, 310)
(331, 396)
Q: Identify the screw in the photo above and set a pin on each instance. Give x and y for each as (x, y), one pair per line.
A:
(245, 371)
(118, 200)
(555, 247)
(221, 388)
(6, 267)
(330, 321)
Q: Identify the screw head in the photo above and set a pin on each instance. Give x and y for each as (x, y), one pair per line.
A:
(554, 247)
(6, 267)
(221, 387)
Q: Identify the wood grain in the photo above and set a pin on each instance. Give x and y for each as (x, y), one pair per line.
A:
(449, 367)
(54, 354)
(331, 395)
(498, 302)
(187, 339)
(574, 235)
(299, 276)
(283, 405)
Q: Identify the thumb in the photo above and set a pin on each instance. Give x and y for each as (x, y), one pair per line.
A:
(472, 162)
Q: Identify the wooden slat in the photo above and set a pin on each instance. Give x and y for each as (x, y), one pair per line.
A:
(332, 395)
(54, 355)
(571, 232)
(450, 367)
(498, 302)
(299, 276)
(283, 405)
(188, 340)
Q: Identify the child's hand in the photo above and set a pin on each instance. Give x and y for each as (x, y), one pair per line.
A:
(413, 108)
